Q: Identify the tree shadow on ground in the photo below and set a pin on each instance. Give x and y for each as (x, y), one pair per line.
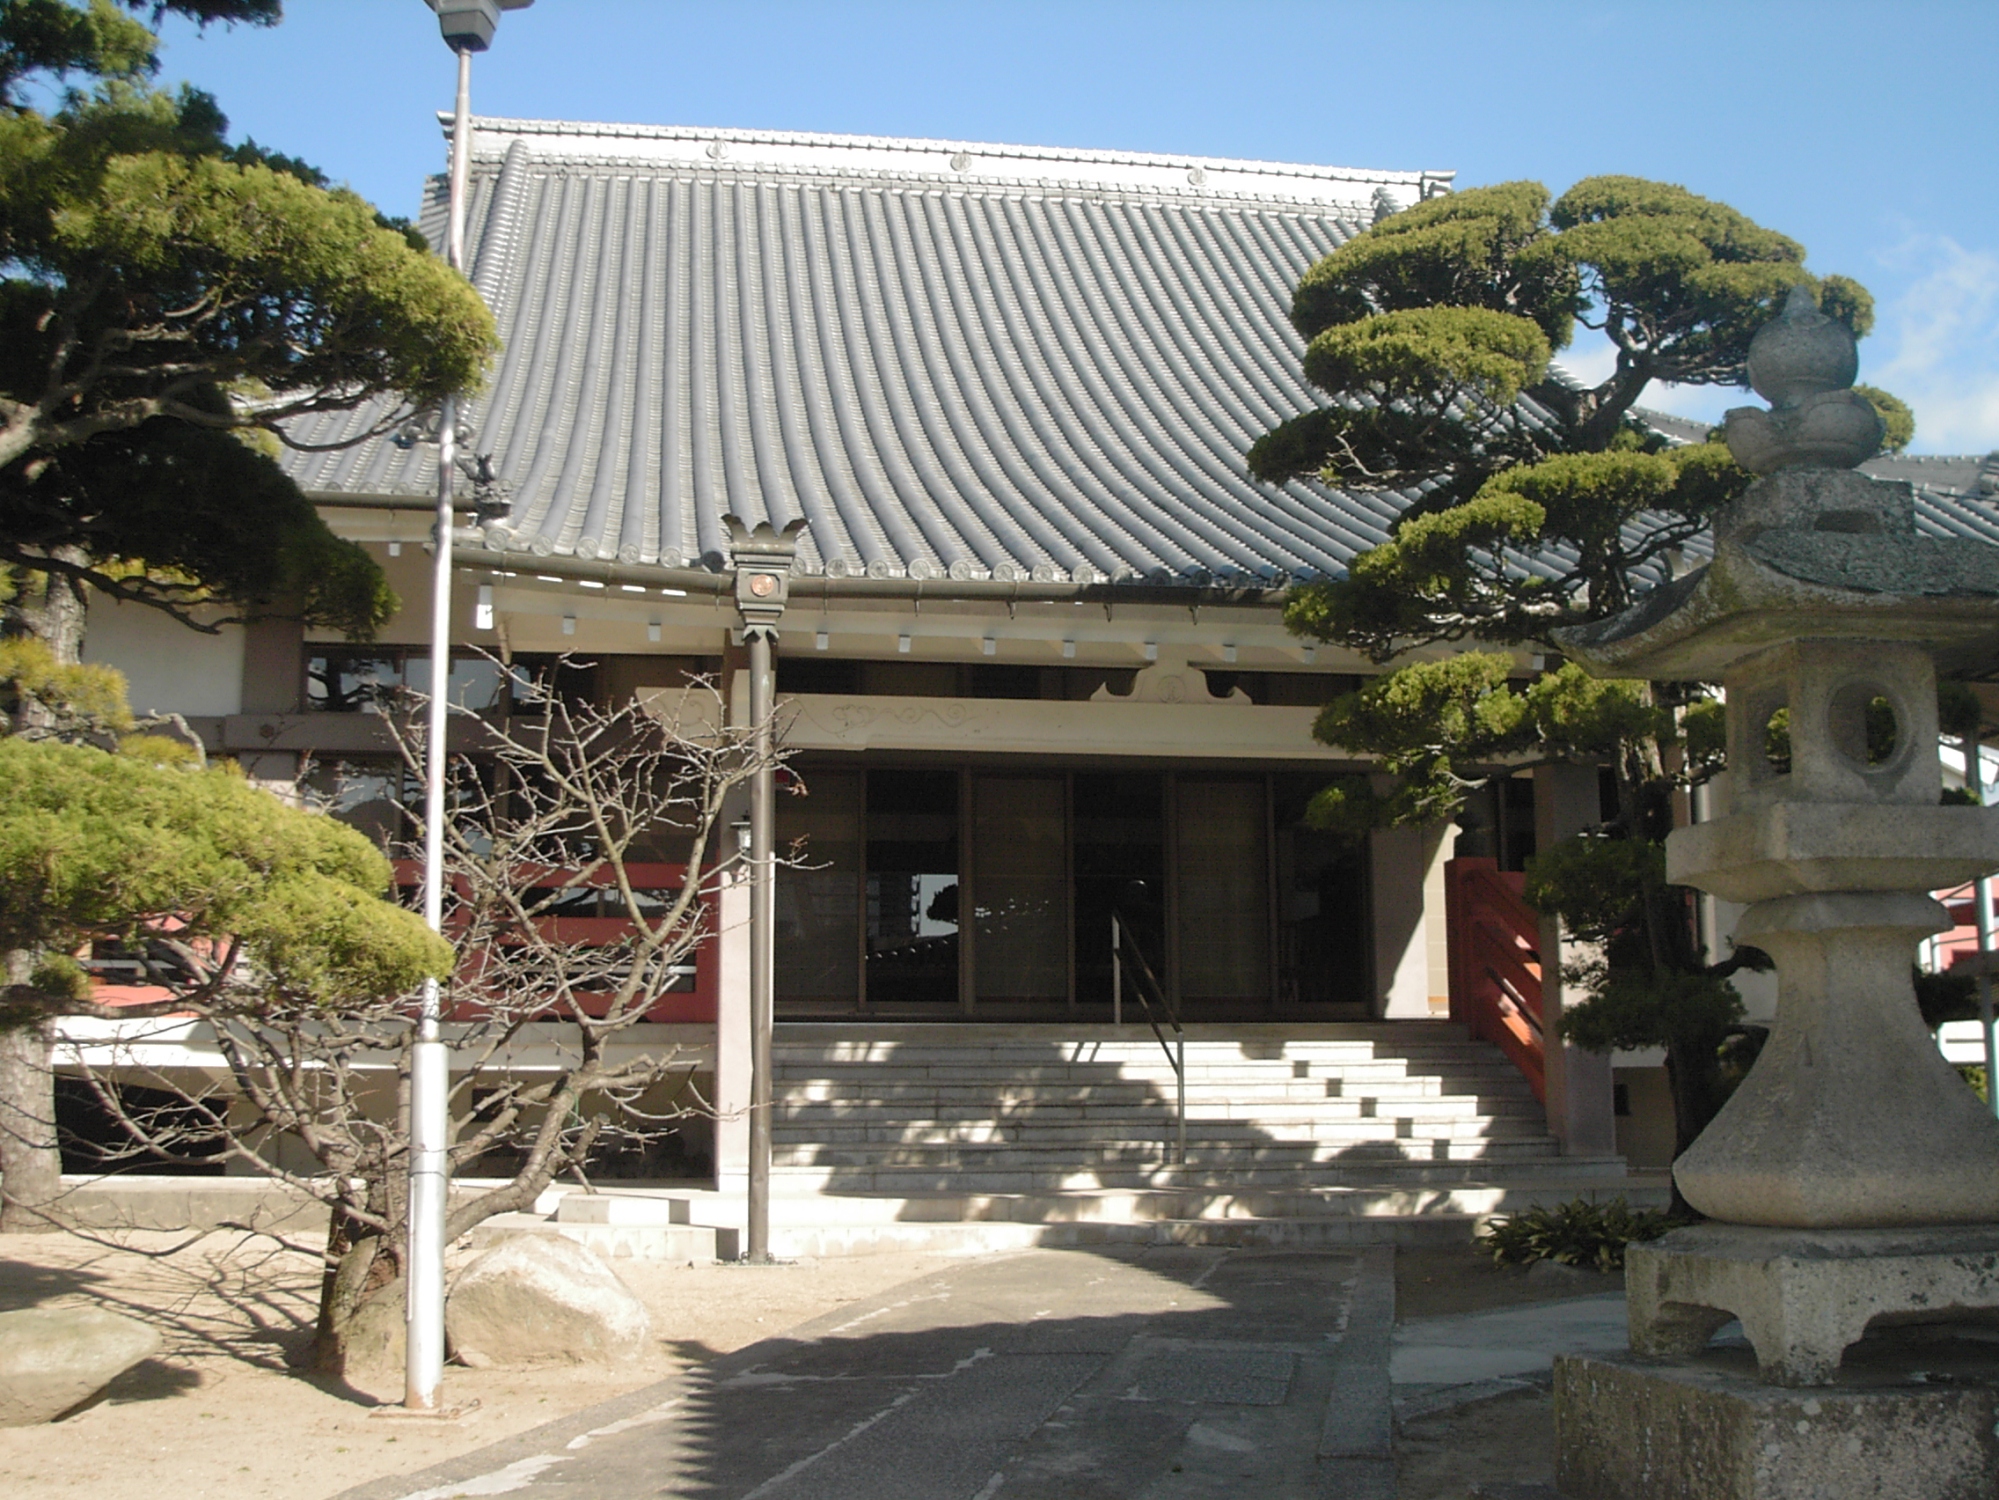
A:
(1047, 1375)
(24, 1285)
(236, 1295)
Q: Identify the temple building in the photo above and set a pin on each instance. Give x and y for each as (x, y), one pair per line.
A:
(1033, 660)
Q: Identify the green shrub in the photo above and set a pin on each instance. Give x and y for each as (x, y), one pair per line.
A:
(1577, 1233)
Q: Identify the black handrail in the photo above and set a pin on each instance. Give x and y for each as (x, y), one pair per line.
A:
(1176, 1051)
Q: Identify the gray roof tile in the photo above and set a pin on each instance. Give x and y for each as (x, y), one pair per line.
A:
(951, 359)
(1047, 366)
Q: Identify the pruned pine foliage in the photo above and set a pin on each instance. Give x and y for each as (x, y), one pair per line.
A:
(1537, 502)
(169, 300)
(1432, 333)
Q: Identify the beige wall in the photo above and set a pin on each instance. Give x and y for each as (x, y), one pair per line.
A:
(168, 667)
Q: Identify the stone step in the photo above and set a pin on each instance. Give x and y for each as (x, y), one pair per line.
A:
(915, 1110)
(793, 1110)
(656, 1226)
(698, 1243)
(1229, 1203)
(1148, 1148)
(1234, 1033)
(1148, 1056)
(1150, 1065)
(1110, 1134)
(967, 1087)
(916, 1182)
(1314, 1093)
(1573, 1177)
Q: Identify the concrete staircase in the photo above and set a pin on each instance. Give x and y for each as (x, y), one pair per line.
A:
(968, 1138)
(1009, 1109)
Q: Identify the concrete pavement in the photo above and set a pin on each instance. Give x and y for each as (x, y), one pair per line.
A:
(1439, 1363)
(1168, 1373)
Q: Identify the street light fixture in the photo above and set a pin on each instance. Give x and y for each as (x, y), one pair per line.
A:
(467, 26)
(762, 557)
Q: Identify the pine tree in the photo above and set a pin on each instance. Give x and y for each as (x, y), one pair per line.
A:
(1539, 503)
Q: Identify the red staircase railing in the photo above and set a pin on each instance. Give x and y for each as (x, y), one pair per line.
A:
(1494, 940)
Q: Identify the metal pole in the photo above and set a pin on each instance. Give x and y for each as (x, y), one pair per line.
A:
(763, 930)
(1180, 1074)
(1117, 975)
(429, 1156)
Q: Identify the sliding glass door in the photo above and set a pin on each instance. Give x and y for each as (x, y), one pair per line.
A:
(1224, 910)
(1020, 891)
(819, 903)
(929, 891)
(912, 913)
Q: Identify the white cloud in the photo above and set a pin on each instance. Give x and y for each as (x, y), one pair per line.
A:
(1591, 358)
(1942, 340)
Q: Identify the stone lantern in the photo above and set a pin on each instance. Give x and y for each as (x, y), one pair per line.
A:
(1852, 1180)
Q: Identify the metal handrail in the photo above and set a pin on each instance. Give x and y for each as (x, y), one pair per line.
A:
(1176, 1051)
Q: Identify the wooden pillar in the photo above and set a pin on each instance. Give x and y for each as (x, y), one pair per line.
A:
(1396, 868)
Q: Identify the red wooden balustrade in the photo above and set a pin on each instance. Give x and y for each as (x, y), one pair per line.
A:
(1494, 940)
(691, 998)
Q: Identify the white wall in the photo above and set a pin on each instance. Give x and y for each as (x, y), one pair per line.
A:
(170, 668)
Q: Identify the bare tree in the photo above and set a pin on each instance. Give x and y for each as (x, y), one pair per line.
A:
(547, 815)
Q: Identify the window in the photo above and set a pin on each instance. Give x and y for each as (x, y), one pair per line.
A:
(371, 679)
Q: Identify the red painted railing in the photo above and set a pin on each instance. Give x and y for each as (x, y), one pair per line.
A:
(691, 1000)
(1960, 944)
(692, 997)
(1494, 940)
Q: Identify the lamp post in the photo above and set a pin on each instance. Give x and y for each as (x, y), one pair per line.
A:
(467, 26)
(762, 558)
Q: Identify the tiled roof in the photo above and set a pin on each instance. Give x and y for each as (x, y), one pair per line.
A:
(951, 360)
(1955, 497)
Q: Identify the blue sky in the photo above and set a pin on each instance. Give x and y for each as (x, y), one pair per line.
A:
(1863, 129)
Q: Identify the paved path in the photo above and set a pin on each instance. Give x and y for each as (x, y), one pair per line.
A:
(1439, 1363)
(1164, 1374)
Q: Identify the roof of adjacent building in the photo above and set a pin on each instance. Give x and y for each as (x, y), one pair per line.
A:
(950, 360)
(1955, 496)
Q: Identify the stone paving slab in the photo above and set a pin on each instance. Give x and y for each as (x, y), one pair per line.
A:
(1165, 1374)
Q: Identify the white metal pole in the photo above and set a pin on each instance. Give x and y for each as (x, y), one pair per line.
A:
(429, 1156)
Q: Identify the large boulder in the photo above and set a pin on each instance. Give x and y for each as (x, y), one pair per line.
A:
(53, 1358)
(542, 1299)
